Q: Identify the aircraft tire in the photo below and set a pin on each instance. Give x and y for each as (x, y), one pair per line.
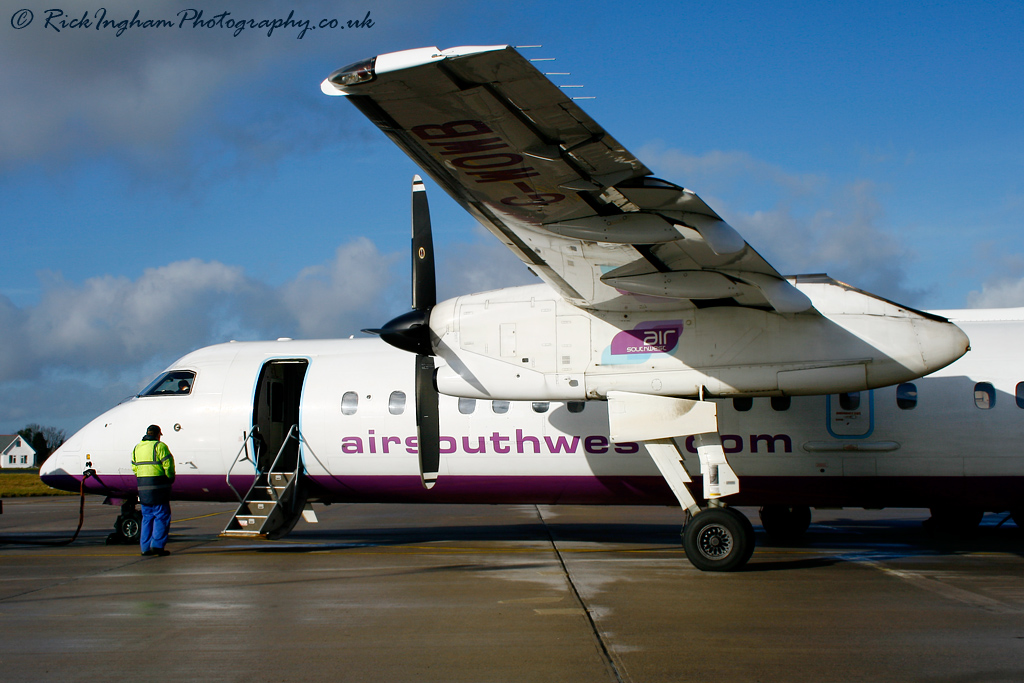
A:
(785, 524)
(129, 526)
(750, 531)
(718, 540)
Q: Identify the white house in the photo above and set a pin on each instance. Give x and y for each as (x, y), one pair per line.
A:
(15, 452)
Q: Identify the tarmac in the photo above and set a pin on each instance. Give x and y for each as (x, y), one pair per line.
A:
(505, 593)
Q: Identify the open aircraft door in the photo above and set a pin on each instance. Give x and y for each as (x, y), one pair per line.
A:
(276, 410)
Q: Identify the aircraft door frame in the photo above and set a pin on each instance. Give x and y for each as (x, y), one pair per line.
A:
(277, 405)
(845, 421)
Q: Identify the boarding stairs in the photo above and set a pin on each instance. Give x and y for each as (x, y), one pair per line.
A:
(275, 501)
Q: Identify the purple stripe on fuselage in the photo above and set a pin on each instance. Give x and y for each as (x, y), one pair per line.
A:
(989, 493)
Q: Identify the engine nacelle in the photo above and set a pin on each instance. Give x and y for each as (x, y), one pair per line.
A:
(527, 343)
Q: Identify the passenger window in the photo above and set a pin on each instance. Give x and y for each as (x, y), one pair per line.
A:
(576, 406)
(849, 400)
(173, 383)
(906, 396)
(743, 403)
(1020, 394)
(780, 403)
(541, 406)
(467, 405)
(984, 395)
(499, 407)
(349, 403)
(396, 403)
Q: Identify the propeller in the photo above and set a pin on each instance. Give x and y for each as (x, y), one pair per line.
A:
(411, 332)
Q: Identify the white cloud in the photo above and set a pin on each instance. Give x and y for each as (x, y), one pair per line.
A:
(998, 293)
(174, 102)
(718, 166)
(101, 339)
(479, 267)
(339, 297)
(813, 224)
(113, 320)
(86, 345)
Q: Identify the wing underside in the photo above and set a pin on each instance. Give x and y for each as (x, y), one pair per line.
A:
(581, 211)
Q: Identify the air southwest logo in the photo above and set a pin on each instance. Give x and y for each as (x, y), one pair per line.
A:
(634, 346)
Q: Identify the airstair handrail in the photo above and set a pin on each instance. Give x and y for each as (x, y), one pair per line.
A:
(293, 433)
(245, 448)
(287, 500)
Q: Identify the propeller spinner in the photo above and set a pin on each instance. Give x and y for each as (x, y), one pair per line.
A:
(411, 332)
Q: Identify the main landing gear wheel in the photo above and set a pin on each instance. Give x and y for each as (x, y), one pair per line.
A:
(785, 524)
(718, 540)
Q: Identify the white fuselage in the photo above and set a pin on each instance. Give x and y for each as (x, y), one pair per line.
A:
(354, 408)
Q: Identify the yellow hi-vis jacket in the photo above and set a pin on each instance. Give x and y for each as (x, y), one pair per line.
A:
(154, 468)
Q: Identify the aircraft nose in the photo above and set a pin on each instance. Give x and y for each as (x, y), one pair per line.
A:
(941, 342)
(50, 472)
(55, 471)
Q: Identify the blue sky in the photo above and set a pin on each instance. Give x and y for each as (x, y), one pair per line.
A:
(168, 189)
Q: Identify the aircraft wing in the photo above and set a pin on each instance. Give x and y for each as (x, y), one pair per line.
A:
(579, 209)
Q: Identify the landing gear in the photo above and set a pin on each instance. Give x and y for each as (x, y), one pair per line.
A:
(785, 524)
(127, 525)
(718, 539)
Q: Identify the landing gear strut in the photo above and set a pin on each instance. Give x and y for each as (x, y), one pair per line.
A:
(716, 539)
(127, 525)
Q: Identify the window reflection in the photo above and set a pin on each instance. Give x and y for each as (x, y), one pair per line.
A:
(906, 396)
(984, 395)
(849, 400)
(349, 403)
(173, 383)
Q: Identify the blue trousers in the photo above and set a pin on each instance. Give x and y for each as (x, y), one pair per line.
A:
(156, 521)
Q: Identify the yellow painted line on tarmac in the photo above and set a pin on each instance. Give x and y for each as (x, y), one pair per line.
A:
(189, 519)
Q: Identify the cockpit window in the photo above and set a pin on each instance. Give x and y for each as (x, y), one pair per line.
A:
(173, 383)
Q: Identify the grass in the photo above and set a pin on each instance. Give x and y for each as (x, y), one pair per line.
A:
(17, 484)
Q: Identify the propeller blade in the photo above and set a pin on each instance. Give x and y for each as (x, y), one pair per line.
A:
(411, 332)
(424, 289)
(428, 431)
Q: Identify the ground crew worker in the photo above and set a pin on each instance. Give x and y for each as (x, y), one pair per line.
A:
(154, 471)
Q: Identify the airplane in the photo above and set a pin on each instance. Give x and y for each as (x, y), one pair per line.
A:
(658, 344)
